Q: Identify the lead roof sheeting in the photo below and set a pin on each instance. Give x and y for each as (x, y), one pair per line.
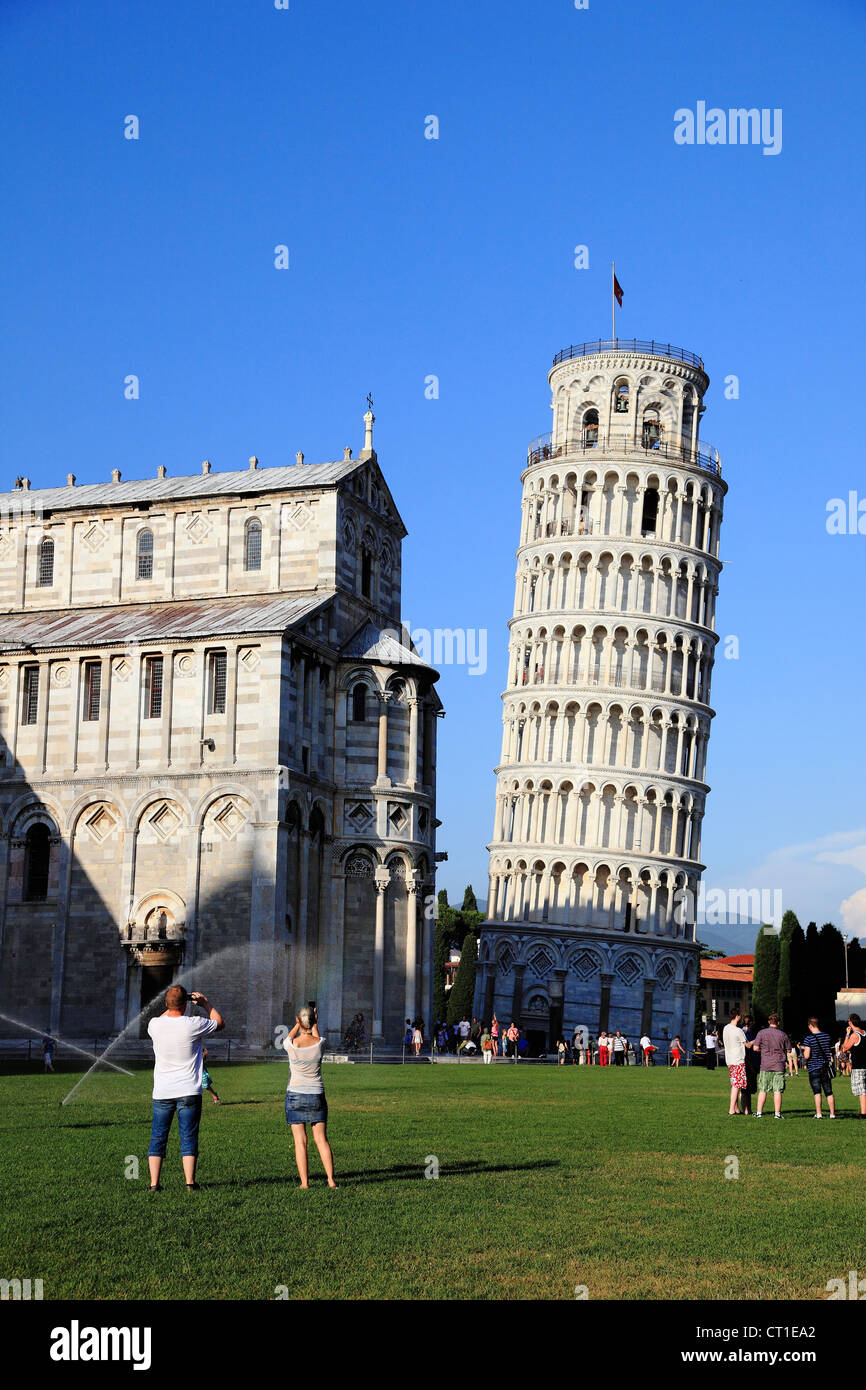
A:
(372, 643)
(91, 495)
(94, 627)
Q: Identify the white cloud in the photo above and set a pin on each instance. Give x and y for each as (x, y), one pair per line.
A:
(819, 879)
(853, 911)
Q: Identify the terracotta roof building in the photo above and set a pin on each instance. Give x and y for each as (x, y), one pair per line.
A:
(725, 984)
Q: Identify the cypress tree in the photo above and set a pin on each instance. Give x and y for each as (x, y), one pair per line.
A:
(798, 1008)
(831, 949)
(765, 986)
(462, 995)
(785, 984)
(470, 903)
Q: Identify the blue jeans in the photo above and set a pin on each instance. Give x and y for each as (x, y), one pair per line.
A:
(188, 1116)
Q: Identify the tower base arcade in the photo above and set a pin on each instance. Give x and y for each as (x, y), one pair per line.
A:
(551, 980)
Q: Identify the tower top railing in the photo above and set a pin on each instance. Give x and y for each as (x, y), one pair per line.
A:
(652, 346)
(705, 457)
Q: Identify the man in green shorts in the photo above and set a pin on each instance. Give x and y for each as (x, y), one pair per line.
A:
(773, 1046)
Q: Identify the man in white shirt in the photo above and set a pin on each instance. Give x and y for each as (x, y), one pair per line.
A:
(647, 1050)
(177, 1039)
(734, 1043)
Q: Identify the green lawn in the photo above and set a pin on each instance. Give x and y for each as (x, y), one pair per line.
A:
(549, 1178)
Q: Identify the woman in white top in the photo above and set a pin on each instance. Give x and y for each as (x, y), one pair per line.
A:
(305, 1094)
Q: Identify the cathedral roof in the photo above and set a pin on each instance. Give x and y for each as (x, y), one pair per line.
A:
(140, 623)
(244, 481)
(372, 643)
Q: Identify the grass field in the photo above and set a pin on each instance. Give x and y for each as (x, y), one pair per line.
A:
(549, 1178)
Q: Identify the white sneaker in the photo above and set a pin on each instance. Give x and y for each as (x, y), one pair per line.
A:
(816, 1116)
(781, 1117)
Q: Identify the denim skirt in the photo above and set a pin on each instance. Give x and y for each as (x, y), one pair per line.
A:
(304, 1109)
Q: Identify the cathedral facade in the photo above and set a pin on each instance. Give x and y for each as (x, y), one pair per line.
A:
(595, 861)
(220, 752)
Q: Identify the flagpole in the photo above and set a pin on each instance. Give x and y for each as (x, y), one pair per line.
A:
(613, 301)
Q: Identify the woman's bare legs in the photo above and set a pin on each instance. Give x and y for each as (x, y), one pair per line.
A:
(299, 1134)
(320, 1134)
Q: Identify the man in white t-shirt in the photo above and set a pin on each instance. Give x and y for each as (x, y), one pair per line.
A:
(647, 1049)
(177, 1038)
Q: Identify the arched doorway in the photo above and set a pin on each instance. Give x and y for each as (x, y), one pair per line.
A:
(535, 1025)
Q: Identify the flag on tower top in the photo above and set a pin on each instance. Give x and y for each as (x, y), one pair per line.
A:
(617, 289)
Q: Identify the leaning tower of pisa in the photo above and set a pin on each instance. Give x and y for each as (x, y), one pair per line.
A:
(595, 860)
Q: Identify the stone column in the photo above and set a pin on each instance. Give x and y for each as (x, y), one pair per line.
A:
(699, 815)
(412, 774)
(675, 819)
(644, 752)
(652, 925)
(411, 997)
(382, 881)
(639, 824)
(681, 728)
(382, 766)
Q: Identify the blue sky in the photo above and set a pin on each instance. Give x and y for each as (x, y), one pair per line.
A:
(453, 257)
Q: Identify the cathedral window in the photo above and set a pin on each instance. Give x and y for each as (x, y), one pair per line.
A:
(253, 545)
(620, 400)
(217, 683)
(366, 573)
(30, 703)
(92, 689)
(46, 564)
(153, 688)
(144, 555)
(37, 856)
(590, 429)
(359, 703)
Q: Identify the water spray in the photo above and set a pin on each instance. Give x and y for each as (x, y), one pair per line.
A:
(40, 1032)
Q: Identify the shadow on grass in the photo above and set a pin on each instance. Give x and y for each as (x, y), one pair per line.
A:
(98, 1124)
(809, 1114)
(399, 1172)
